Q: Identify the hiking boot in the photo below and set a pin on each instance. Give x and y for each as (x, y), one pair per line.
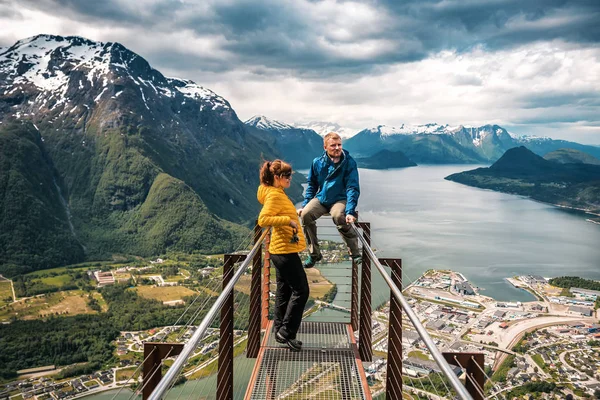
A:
(282, 340)
(311, 261)
(293, 344)
(357, 260)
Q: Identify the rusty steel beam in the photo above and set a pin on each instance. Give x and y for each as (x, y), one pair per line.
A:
(154, 353)
(225, 369)
(393, 388)
(354, 298)
(473, 363)
(266, 282)
(254, 323)
(365, 339)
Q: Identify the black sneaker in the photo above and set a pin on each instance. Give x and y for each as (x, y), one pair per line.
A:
(293, 344)
(357, 260)
(280, 339)
(311, 261)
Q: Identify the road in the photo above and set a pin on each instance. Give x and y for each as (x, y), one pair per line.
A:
(515, 332)
(589, 380)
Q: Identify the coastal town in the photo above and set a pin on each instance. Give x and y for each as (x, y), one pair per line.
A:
(555, 338)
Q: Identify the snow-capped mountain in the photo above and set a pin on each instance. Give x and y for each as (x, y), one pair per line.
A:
(405, 129)
(323, 128)
(262, 122)
(297, 145)
(62, 70)
(477, 134)
(145, 163)
(434, 143)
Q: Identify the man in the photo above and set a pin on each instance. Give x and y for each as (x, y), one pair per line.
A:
(332, 188)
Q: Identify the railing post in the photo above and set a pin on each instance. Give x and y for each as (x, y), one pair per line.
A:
(266, 281)
(254, 316)
(225, 368)
(473, 363)
(365, 340)
(393, 385)
(154, 353)
(354, 298)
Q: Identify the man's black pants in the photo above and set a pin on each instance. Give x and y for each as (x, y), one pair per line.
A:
(292, 293)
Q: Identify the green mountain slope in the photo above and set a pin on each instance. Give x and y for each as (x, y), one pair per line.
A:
(520, 171)
(146, 164)
(34, 225)
(173, 217)
(386, 159)
(571, 156)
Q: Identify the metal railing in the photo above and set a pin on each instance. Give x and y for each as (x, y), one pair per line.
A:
(412, 316)
(174, 371)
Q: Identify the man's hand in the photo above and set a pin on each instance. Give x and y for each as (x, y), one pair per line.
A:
(350, 219)
(299, 211)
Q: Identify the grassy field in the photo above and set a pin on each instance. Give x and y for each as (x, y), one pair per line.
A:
(59, 281)
(57, 270)
(72, 302)
(122, 275)
(126, 373)
(418, 354)
(164, 293)
(176, 278)
(5, 292)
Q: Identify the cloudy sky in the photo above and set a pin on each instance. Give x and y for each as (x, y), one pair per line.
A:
(532, 66)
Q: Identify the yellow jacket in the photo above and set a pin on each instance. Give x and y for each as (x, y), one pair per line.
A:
(278, 210)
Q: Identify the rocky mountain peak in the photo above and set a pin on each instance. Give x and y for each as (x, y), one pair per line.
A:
(262, 122)
(51, 72)
(324, 127)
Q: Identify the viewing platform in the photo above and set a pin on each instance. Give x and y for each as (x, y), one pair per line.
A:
(327, 367)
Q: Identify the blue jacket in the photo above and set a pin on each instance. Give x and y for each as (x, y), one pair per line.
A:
(331, 183)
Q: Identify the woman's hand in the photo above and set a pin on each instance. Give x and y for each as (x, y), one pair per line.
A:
(294, 224)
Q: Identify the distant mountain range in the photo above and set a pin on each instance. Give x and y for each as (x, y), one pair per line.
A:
(442, 144)
(297, 146)
(423, 144)
(520, 171)
(323, 128)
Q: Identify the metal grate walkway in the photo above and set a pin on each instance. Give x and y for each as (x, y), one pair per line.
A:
(327, 368)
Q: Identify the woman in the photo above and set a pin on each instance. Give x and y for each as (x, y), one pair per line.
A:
(287, 240)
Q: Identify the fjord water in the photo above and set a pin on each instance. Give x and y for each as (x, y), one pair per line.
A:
(429, 222)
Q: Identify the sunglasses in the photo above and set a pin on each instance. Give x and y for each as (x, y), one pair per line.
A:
(287, 175)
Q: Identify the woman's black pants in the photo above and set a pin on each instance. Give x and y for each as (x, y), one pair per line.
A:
(292, 293)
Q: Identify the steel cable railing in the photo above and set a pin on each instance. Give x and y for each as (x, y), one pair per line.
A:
(432, 387)
(188, 349)
(434, 351)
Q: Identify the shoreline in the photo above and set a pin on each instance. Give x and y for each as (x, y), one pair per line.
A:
(523, 196)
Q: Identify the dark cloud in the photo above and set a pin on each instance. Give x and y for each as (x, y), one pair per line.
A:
(584, 118)
(292, 36)
(551, 100)
(462, 24)
(100, 12)
(9, 12)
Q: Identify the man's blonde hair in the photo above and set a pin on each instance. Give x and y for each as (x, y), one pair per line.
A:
(331, 135)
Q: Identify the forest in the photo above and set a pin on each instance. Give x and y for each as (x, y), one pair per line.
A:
(63, 341)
